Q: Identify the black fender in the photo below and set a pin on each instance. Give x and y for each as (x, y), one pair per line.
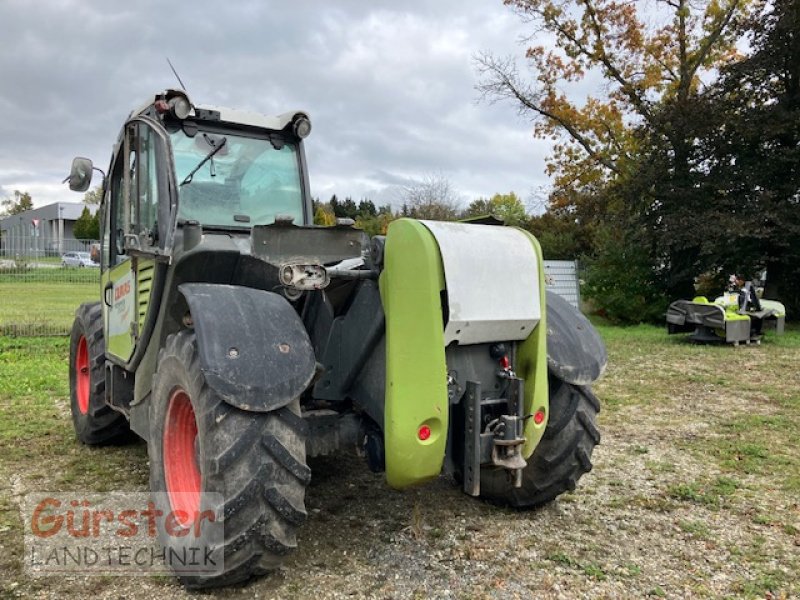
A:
(575, 352)
(253, 348)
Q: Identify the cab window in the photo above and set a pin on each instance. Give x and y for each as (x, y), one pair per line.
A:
(232, 180)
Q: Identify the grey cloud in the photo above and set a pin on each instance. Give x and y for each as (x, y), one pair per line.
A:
(386, 178)
(390, 90)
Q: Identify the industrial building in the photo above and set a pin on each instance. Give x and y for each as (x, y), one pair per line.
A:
(44, 231)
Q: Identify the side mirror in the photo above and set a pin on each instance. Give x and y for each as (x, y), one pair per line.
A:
(80, 175)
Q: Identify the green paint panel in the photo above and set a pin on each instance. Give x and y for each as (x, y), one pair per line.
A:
(416, 372)
(531, 364)
(144, 285)
(733, 315)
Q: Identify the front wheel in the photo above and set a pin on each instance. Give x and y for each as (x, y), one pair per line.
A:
(247, 468)
(95, 421)
(562, 456)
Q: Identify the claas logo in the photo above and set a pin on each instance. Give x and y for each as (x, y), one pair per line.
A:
(121, 290)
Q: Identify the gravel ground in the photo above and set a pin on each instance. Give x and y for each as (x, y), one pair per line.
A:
(657, 516)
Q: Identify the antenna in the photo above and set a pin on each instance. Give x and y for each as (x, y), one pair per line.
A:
(178, 77)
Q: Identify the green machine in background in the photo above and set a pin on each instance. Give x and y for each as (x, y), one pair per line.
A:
(239, 339)
(735, 317)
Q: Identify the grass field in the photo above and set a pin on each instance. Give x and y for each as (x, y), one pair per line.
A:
(694, 492)
(44, 305)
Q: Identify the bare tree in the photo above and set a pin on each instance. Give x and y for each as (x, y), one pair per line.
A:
(432, 197)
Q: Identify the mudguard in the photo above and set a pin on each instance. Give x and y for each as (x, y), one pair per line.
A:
(252, 346)
(416, 372)
(575, 352)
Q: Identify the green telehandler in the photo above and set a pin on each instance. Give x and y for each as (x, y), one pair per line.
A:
(238, 339)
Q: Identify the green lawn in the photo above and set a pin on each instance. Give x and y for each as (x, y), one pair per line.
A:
(43, 308)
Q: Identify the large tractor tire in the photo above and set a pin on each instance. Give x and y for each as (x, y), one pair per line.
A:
(95, 421)
(247, 468)
(562, 456)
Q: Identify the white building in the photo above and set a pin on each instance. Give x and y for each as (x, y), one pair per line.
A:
(47, 230)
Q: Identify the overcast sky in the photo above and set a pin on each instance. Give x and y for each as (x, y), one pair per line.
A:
(389, 86)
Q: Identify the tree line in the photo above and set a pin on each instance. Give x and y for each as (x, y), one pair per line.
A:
(433, 205)
(686, 166)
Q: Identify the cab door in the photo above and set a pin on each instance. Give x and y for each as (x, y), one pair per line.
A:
(133, 236)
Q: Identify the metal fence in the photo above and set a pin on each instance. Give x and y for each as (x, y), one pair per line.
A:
(41, 284)
(562, 277)
(29, 257)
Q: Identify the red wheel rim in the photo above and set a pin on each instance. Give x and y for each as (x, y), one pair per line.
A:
(82, 376)
(181, 470)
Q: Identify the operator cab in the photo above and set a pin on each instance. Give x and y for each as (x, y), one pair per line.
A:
(225, 169)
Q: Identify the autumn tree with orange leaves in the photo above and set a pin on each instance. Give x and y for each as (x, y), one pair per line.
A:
(625, 155)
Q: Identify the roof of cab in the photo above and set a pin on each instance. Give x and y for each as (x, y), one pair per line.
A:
(230, 115)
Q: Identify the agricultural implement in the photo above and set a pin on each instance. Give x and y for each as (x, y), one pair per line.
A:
(735, 317)
(238, 339)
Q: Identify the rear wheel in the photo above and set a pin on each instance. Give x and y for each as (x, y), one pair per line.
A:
(95, 422)
(562, 456)
(247, 468)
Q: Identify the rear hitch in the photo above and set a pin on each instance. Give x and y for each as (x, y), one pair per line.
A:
(506, 445)
(499, 442)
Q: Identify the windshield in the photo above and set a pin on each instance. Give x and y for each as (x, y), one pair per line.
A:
(244, 181)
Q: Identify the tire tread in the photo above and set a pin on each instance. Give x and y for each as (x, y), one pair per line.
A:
(256, 460)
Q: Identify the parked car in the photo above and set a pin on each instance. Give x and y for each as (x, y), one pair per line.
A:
(77, 259)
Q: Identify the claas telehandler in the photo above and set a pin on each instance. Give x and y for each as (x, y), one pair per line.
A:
(239, 339)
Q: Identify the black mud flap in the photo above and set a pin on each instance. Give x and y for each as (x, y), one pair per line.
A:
(253, 348)
(575, 352)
